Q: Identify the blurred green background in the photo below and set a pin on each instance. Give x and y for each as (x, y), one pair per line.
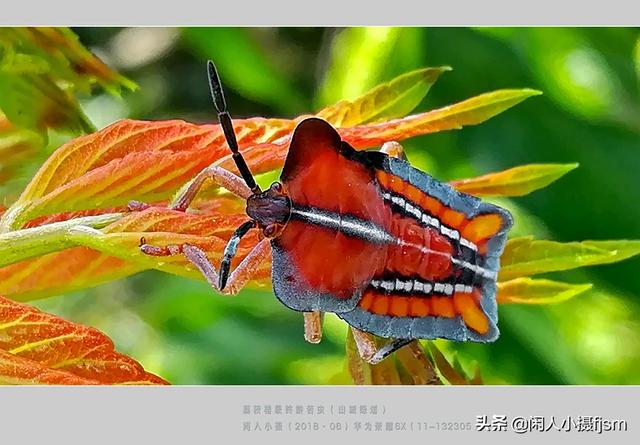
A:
(589, 113)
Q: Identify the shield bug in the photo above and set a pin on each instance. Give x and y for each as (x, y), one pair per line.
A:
(362, 234)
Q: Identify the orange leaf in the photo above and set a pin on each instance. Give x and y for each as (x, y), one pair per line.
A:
(15, 370)
(62, 272)
(114, 252)
(161, 227)
(149, 161)
(29, 337)
(140, 160)
(468, 112)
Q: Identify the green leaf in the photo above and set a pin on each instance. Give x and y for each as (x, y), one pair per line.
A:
(527, 256)
(538, 291)
(484, 106)
(59, 52)
(18, 149)
(36, 102)
(393, 99)
(517, 181)
(472, 111)
(623, 249)
(41, 70)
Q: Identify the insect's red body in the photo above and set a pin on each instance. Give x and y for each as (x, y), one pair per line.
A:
(341, 186)
(354, 224)
(386, 247)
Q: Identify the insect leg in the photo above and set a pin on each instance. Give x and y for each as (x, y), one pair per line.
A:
(369, 351)
(394, 149)
(366, 345)
(313, 326)
(392, 346)
(248, 267)
(220, 176)
(196, 256)
(240, 275)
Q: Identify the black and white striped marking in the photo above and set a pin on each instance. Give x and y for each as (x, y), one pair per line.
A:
(412, 286)
(411, 209)
(347, 224)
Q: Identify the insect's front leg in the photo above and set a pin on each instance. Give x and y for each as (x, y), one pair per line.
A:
(220, 176)
(394, 149)
(188, 192)
(238, 278)
(369, 351)
(313, 326)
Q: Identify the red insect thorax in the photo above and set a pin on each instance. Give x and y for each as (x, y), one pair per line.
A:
(328, 260)
(334, 183)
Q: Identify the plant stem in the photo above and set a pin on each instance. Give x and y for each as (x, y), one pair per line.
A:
(23, 244)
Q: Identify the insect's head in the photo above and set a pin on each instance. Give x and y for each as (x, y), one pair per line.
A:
(270, 209)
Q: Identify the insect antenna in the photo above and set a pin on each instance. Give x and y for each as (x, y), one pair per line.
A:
(227, 126)
(230, 251)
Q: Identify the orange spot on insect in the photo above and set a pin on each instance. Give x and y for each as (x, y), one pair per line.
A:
(483, 248)
(482, 227)
(367, 300)
(413, 194)
(443, 307)
(431, 205)
(418, 307)
(452, 218)
(380, 305)
(383, 178)
(397, 185)
(471, 313)
(399, 306)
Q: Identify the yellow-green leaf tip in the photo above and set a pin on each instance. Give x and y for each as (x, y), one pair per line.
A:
(531, 92)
